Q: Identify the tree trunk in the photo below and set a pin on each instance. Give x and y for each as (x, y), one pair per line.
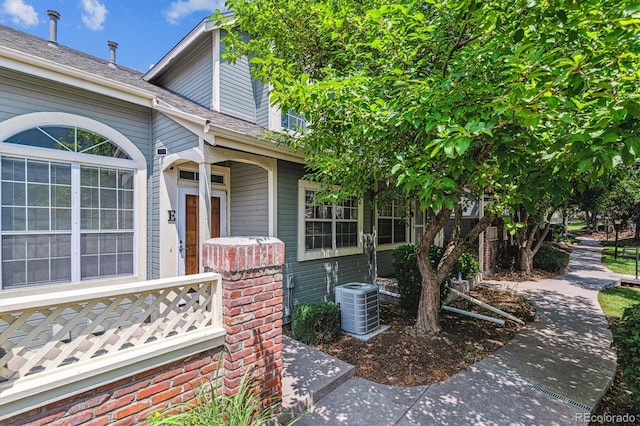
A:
(525, 260)
(637, 233)
(565, 222)
(428, 321)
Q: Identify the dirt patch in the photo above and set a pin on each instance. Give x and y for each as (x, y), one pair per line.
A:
(398, 357)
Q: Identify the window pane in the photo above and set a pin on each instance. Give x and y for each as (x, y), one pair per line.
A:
(37, 171)
(108, 266)
(37, 271)
(88, 176)
(14, 247)
(14, 218)
(125, 199)
(61, 269)
(125, 264)
(90, 219)
(38, 195)
(89, 267)
(61, 245)
(346, 234)
(108, 243)
(60, 196)
(61, 219)
(108, 198)
(13, 194)
(107, 178)
(125, 220)
(125, 179)
(61, 174)
(399, 231)
(38, 219)
(13, 169)
(89, 244)
(385, 231)
(108, 219)
(89, 197)
(14, 273)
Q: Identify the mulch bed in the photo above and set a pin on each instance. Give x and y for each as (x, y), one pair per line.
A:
(397, 357)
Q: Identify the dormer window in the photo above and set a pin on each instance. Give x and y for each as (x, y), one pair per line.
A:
(291, 120)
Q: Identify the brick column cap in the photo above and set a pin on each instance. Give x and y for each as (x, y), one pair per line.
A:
(233, 254)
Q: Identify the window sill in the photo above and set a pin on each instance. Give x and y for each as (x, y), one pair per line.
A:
(327, 254)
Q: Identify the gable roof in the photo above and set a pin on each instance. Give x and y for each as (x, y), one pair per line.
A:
(37, 56)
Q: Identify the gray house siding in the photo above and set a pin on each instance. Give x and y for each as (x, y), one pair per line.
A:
(175, 138)
(192, 74)
(249, 200)
(240, 94)
(313, 279)
(23, 94)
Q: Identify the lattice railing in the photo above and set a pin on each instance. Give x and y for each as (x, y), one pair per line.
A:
(41, 331)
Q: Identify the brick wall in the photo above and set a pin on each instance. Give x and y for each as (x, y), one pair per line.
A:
(128, 401)
(251, 270)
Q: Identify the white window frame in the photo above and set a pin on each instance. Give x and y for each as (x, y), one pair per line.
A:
(137, 163)
(407, 232)
(303, 254)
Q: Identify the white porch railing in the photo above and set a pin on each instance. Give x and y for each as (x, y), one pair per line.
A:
(55, 341)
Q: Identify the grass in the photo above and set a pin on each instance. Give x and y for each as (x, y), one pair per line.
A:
(576, 225)
(621, 265)
(614, 300)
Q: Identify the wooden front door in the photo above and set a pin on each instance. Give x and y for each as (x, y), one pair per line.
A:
(192, 231)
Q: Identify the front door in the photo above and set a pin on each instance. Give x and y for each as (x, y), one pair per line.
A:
(189, 229)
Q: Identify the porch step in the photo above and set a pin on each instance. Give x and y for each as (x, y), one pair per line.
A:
(308, 375)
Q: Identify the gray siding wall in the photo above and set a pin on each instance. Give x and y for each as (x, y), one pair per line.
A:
(166, 134)
(249, 200)
(240, 94)
(22, 94)
(192, 74)
(314, 280)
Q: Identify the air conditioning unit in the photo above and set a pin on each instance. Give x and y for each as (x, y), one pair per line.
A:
(358, 303)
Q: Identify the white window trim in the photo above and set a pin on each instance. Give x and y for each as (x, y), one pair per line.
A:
(304, 255)
(408, 229)
(138, 163)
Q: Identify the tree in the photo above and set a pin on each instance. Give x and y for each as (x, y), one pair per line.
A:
(623, 200)
(440, 97)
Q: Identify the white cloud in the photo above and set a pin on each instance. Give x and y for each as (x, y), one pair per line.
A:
(181, 8)
(94, 14)
(20, 12)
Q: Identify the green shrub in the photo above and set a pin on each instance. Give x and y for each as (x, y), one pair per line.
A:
(626, 338)
(212, 407)
(405, 264)
(316, 322)
(551, 259)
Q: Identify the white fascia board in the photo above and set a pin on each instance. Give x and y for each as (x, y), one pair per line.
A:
(33, 65)
(188, 40)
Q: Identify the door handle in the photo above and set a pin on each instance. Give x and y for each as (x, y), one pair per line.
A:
(180, 247)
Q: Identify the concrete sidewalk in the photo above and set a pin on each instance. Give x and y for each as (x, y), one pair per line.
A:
(553, 372)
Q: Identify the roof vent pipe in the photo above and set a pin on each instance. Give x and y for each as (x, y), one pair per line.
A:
(112, 51)
(53, 26)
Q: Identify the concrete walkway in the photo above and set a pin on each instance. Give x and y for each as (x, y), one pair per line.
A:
(553, 372)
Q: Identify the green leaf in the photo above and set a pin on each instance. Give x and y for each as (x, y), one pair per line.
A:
(518, 36)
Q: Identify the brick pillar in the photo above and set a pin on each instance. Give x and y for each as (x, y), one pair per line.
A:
(251, 269)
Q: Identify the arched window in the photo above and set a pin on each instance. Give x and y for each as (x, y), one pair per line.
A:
(68, 215)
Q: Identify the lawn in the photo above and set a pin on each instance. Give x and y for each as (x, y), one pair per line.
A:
(621, 265)
(614, 300)
(576, 225)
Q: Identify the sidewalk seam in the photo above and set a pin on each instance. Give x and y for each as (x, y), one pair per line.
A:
(415, 401)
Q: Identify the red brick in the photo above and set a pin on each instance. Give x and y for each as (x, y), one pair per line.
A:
(131, 389)
(261, 297)
(100, 421)
(75, 419)
(167, 375)
(89, 403)
(152, 390)
(238, 337)
(45, 418)
(261, 313)
(111, 386)
(250, 291)
(111, 405)
(163, 396)
(184, 377)
(127, 421)
(130, 410)
(252, 307)
(267, 279)
(143, 415)
(239, 354)
(250, 325)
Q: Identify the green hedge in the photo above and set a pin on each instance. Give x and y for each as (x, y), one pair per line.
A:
(316, 322)
(405, 264)
(626, 338)
(551, 259)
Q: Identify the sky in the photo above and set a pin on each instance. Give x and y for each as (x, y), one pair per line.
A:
(145, 30)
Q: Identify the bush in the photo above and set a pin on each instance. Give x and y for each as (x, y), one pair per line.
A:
(316, 322)
(405, 264)
(627, 341)
(212, 407)
(551, 259)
